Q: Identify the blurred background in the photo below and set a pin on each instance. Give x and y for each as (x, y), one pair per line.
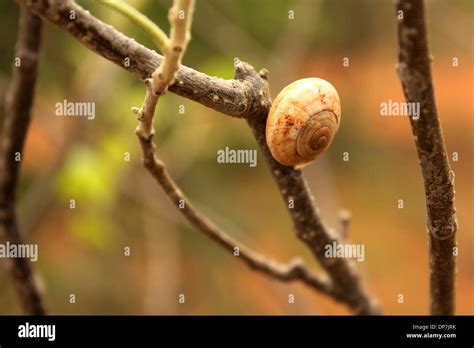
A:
(118, 205)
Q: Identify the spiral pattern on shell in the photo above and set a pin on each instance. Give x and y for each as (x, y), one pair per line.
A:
(303, 121)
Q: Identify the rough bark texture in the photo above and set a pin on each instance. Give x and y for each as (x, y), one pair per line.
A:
(18, 104)
(165, 74)
(294, 271)
(247, 97)
(308, 224)
(415, 73)
(226, 96)
(147, 111)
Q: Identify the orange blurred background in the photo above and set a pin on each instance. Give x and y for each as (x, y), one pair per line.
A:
(81, 251)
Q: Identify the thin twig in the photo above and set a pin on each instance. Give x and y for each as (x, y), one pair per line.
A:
(415, 74)
(295, 270)
(180, 17)
(146, 112)
(18, 105)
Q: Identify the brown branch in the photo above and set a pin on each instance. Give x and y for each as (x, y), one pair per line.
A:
(247, 96)
(227, 96)
(295, 270)
(165, 74)
(308, 224)
(415, 74)
(19, 100)
(146, 112)
(180, 17)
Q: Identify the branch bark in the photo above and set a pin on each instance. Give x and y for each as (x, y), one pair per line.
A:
(295, 270)
(415, 74)
(180, 17)
(163, 75)
(246, 96)
(179, 38)
(18, 104)
(226, 96)
(308, 224)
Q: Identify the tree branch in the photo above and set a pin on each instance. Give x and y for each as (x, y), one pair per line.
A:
(180, 17)
(166, 72)
(415, 74)
(179, 38)
(308, 224)
(18, 104)
(146, 112)
(246, 96)
(295, 270)
(230, 97)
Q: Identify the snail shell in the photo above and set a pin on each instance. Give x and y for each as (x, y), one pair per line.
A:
(302, 121)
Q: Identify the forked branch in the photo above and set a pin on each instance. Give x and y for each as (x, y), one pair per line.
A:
(295, 270)
(246, 96)
(164, 75)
